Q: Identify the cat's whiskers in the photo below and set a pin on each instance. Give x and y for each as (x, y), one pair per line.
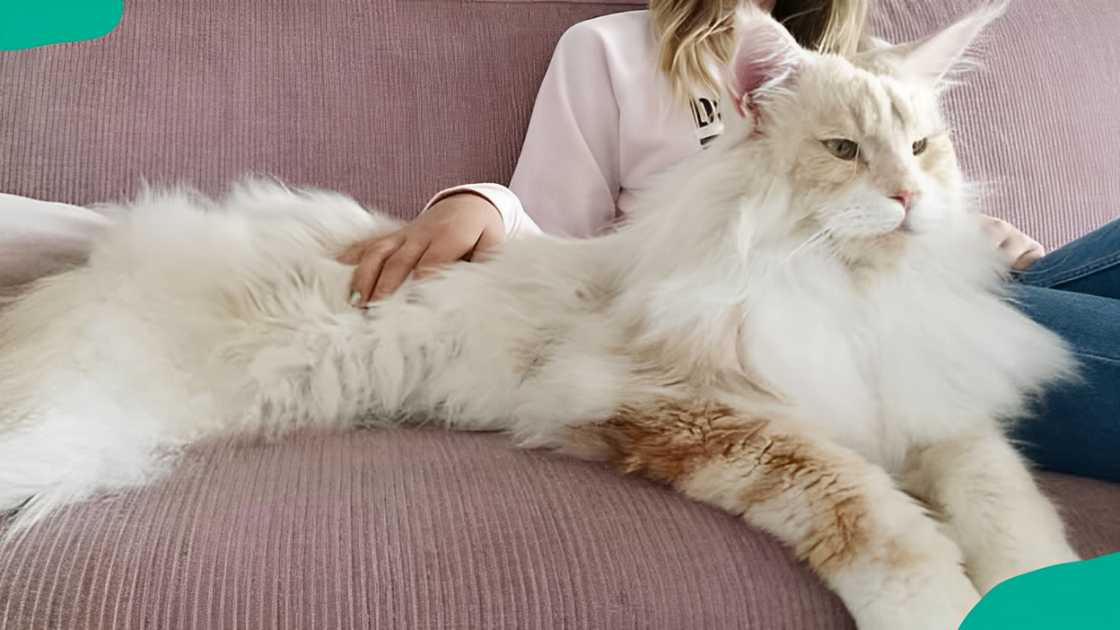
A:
(815, 239)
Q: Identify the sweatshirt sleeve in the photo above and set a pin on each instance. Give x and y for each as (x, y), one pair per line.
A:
(516, 221)
(41, 237)
(567, 176)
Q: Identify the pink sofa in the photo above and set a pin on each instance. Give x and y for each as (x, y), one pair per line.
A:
(389, 101)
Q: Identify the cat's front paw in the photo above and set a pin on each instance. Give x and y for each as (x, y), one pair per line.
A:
(990, 571)
(941, 605)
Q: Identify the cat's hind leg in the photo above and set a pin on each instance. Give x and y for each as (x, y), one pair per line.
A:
(843, 516)
(991, 507)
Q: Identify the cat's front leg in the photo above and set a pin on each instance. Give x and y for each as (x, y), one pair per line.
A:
(991, 506)
(843, 516)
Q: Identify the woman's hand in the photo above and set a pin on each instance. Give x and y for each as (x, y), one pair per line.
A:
(453, 229)
(1021, 250)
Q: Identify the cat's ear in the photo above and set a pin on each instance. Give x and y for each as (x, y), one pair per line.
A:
(766, 56)
(932, 59)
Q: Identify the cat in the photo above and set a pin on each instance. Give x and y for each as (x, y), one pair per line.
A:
(802, 325)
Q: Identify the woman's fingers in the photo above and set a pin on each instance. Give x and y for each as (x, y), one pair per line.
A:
(1030, 253)
(440, 253)
(371, 259)
(998, 230)
(1021, 250)
(398, 266)
(352, 255)
(444, 234)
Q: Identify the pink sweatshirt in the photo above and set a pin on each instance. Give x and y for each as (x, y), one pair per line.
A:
(605, 119)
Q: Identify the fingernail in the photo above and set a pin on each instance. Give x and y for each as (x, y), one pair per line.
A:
(354, 297)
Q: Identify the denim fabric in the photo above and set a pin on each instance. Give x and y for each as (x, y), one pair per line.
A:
(1075, 291)
(1089, 265)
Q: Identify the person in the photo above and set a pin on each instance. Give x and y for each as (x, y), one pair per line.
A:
(629, 94)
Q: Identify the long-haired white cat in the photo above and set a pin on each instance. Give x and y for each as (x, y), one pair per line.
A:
(802, 325)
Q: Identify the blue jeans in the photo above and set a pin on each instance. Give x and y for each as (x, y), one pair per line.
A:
(1075, 291)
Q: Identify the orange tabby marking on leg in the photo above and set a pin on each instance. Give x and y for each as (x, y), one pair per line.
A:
(740, 464)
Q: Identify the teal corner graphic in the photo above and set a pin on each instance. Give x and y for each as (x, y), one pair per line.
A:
(1075, 596)
(31, 23)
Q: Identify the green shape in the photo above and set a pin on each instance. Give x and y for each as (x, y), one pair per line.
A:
(1076, 596)
(30, 23)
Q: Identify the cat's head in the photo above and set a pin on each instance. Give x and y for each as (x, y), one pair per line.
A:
(861, 142)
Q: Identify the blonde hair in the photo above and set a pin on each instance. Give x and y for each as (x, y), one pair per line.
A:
(693, 34)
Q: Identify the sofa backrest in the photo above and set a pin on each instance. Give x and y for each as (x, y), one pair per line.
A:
(389, 100)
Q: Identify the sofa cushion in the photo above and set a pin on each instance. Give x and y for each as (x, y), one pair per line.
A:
(423, 529)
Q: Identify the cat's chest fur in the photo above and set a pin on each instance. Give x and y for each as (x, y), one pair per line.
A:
(885, 363)
(855, 370)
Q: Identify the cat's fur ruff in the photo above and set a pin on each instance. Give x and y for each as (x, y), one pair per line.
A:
(763, 336)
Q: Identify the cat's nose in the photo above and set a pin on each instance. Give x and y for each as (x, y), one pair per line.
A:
(904, 197)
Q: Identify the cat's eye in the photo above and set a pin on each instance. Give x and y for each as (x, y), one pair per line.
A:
(841, 148)
(920, 146)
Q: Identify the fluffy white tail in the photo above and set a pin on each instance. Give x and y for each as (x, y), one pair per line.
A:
(192, 318)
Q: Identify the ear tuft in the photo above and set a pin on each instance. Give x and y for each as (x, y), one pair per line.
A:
(934, 58)
(765, 56)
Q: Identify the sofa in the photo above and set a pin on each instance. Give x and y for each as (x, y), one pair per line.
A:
(389, 101)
